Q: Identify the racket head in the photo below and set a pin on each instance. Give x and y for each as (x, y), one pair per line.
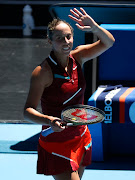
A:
(82, 115)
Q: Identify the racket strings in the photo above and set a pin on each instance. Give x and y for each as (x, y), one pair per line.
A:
(81, 115)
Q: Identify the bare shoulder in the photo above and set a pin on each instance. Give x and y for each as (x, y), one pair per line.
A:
(42, 75)
(41, 78)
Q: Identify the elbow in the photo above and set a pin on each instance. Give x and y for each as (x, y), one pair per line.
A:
(112, 41)
(109, 44)
(29, 114)
(26, 114)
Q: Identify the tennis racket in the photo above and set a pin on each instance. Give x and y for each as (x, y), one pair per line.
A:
(82, 115)
(79, 115)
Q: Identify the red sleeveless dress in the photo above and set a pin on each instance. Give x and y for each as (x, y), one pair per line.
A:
(61, 151)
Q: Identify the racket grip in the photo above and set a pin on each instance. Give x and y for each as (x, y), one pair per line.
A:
(69, 124)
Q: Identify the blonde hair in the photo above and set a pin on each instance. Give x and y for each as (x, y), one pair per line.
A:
(52, 25)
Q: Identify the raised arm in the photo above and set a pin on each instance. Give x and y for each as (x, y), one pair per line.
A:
(105, 40)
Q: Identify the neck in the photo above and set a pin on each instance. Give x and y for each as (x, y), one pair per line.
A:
(63, 60)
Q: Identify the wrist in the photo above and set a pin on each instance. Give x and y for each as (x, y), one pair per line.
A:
(52, 120)
(49, 120)
(95, 29)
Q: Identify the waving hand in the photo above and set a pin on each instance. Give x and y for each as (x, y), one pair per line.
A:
(84, 21)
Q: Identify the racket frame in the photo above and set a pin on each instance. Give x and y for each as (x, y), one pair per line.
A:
(69, 121)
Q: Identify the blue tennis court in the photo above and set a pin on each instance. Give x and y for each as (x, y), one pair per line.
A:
(18, 159)
(23, 166)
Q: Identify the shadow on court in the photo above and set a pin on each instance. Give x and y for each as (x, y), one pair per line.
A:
(29, 144)
(112, 163)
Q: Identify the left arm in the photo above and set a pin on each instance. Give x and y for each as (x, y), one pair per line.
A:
(84, 53)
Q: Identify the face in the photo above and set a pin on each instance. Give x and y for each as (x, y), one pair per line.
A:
(62, 39)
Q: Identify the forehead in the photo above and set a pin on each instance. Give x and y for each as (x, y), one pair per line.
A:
(62, 28)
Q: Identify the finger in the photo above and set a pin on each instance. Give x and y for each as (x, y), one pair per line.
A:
(78, 12)
(73, 18)
(74, 13)
(58, 127)
(55, 120)
(63, 124)
(84, 28)
(80, 27)
(84, 12)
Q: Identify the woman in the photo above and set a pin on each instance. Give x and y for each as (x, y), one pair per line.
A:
(58, 81)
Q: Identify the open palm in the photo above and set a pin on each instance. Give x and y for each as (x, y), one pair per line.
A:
(84, 21)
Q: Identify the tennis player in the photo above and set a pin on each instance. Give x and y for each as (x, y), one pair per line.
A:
(59, 82)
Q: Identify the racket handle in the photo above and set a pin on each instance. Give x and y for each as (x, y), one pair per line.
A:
(69, 124)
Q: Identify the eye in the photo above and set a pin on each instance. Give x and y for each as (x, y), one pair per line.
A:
(59, 38)
(68, 36)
